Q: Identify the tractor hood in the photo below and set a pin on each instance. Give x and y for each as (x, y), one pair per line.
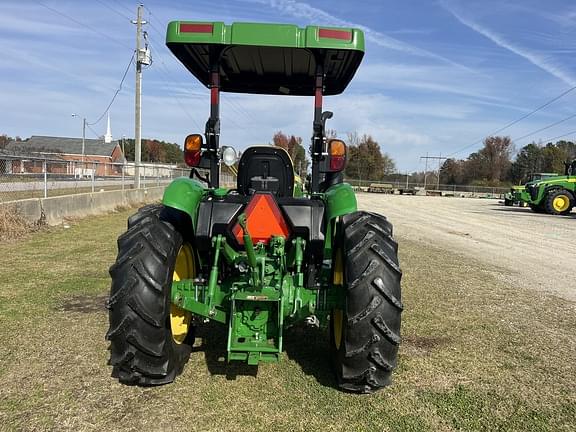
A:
(552, 181)
(268, 58)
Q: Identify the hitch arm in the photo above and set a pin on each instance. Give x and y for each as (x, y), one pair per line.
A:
(250, 253)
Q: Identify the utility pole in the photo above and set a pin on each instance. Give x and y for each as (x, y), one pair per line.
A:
(84, 123)
(425, 169)
(140, 59)
(83, 141)
(438, 178)
(440, 159)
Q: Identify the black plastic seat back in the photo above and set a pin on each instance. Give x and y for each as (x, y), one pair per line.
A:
(266, 169)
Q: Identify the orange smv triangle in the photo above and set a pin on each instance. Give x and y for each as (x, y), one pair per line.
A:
(264, 220)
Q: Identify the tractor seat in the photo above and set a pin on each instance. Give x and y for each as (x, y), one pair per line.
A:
(266, 169)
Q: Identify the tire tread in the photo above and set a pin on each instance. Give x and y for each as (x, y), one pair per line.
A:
(371, 336)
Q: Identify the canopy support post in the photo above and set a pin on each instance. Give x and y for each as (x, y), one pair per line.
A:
(213, 124)
(317, 146)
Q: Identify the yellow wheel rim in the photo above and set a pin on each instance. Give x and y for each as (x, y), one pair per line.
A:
(561, 203)
(338, 314)
(180, 318)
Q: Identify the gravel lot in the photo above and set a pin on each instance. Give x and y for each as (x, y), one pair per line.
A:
(527, 249)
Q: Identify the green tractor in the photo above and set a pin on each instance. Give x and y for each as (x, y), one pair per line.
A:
(518, 194)
(265, 255)
(553, 195)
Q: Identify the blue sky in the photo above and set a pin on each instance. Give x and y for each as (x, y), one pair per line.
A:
(437, 75)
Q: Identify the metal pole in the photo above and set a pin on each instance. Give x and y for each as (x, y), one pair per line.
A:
(426, 171)
(45, 179)
(138, 102)
(122, 177)
(438, 180)
(83, 142)
(406, 179)
(93, 174)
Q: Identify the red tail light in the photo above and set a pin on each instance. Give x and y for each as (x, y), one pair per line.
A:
(264, 220)
(337, 152)
(193, 149)
(192, 159)
(196, 28)
(335, 34)
(337, 163)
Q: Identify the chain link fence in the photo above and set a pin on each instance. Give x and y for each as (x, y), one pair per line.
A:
(24, 177)
(398, 185)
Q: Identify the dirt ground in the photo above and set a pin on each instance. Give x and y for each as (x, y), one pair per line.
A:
(529, 250)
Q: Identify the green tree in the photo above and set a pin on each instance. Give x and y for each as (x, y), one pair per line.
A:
(4, 140)
(154, 151)
(452, 172)
(496, 155)
(528, 160)
(365, 159)
(293, 145)
(553, 158)
(489, 165)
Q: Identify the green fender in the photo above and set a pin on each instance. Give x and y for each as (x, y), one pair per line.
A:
(340, 200)
(185, 194)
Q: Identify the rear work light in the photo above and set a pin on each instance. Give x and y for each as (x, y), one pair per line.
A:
(263, 220)
(193, 149)
(337, 152)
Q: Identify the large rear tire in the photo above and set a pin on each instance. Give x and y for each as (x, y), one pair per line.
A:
(144, 349)
(366, 335)
(559, 202)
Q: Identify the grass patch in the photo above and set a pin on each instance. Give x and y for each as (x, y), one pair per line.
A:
(477, 354)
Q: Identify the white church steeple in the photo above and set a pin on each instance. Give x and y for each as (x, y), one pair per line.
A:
(108, 136)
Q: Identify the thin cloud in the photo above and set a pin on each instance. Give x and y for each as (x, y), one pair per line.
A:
(535, 58)
(308, 12)
(12, 24)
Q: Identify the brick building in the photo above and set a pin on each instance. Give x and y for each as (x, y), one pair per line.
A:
(98, 154)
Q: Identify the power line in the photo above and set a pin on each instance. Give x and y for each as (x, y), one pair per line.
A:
(545, 127)
(153, 27)
(114, 10)
(559, 136)
(159, 19)
(164, 69)
(236, 107)
(93, 131)
(116, 93)
(561, 95)
(439, 158)
(119, 4)
(173, 95)
(83, 25)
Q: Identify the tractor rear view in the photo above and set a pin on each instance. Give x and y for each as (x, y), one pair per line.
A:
(263, 256)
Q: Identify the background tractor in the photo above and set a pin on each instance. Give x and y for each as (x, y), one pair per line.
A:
(265, 255)
(553, 195)
(518, 194)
